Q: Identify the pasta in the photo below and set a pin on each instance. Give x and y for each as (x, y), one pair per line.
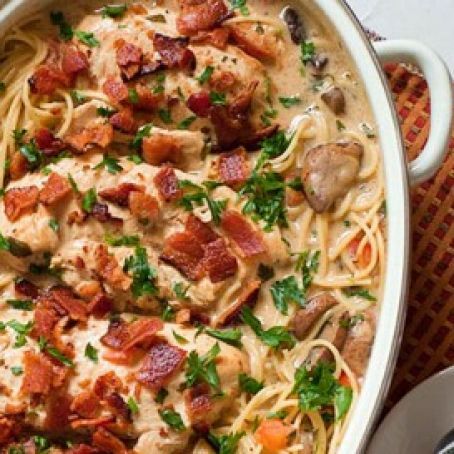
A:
(192, 230)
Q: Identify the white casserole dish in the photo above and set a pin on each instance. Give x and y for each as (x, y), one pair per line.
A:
(397, 176)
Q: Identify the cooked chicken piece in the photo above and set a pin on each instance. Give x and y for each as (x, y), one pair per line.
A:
(334, 98)
(147, 423)
(329, 171)
(356, 351)
(335, 332)
(304, 319)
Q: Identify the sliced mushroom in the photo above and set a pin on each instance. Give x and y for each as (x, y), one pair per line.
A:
(294, 24)
(329, 171)
(334, 331)
(356, 350)
(304, 319)
(334, 98)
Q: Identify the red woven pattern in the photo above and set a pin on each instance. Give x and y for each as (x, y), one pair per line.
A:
(428, 344)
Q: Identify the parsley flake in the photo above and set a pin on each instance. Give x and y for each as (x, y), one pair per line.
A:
(89, 200)
(66, 32)
(87, 38)
(290, 101)
(91, 353)
(143, 275)
(203, 368)
(249, 384)
(23, 305)
(172, 419)
(110, 163)
(206, 75)
(230, 336)
(114, 11)
(360, 292)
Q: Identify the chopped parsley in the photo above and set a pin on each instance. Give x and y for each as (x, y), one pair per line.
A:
(317, 388)
(186, 122)
(168, 314)
(77, 97)
(5, 244)
(144, 131)
(203, 368)
(358, 291)
(249, 384)
(133, 96)
(87, 38)
(350, 322)
(143, 275)
(241, 6)
(230, 336)
(197, 195)
(132, 405)
(218, 99)
(110, 163)
(54, 225)
(367, 130)
(180, 290)
(161, 396)
(172, 419)
(89, 200)
(23, 305)
(159, 87)
(272, 147)
(22, 330)
(32, 154)
(225, 444)
(114, 11)
(266, 199)
(290, 101)
(66, 32)
(340, 126)
(73, 184)
(285, 292)
(159, 18)
(206, 75)
(17, 370)
(105, 112)
(307, 263)
(135, 158)
(280, 414)
(307, 52)
(125, 240)
(180, 339)
(54, 352)
(91, 353)
(165, 115)
(18, 136)
(275, 337)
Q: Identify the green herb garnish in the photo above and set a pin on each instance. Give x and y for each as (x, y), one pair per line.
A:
(172, 419)
(225, 444)
(87, 38)
(187, 122)
(285, 292)
(143, 275)
(23, 305)
(249, 384)
(165, 115)
(89, 200)
(203, 368)
(91, 353)
(114, 11)
(275, 337)
(241, 6)
(54, 225)
(125, 240)
(144, 131)
(110, 163)
(66, 32)
(218, 99)
(206, 75)
(230, 336)
(290, 101)
(358, 291)
(132, 405)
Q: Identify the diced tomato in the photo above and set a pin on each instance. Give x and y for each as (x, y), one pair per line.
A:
(273, 434)
(365, 256)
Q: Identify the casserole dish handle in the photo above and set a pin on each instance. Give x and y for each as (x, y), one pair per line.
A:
(440, 85)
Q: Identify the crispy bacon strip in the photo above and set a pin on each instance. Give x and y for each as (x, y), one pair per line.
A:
(201, 231)
(26, 288)
(124, 120)
(74, 60)
(38, 374)
(142, 332)
(64, 297)
(48, 144)
(116, 90)
(218, 261)
(82, 449)
(129, 58)
(86, 404)
(117, 334)
(196, 15)
(47, 78)
(98, 135)
(107, 384)
(144, 206)
(160, 365)
(248, 297)
(160, 148)
(174, 52)
(100, 305)
(18, 166)
(119, 195)
(108, 442)
(45, 318)
(109, 269)
(20, 201)
(248, 240)
(234, 167)
(55, 190)
(218, 37)
(58, 410)
(198, 404)
(148, 100)
(260, 46)
(167, 183)
(185, 253)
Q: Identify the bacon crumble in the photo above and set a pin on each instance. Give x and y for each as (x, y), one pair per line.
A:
(167, 183)
(174, 52)
(234, 168)
(161, 148)
(55, 190)
(20, 201)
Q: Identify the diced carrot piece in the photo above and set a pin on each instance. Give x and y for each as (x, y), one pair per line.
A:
(272, 434)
